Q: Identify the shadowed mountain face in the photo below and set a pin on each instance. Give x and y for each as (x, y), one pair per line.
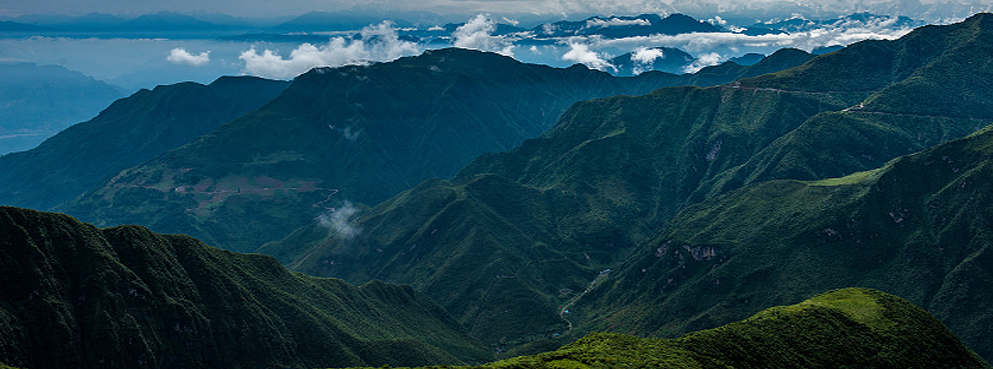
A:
(130, 131)
(74, 296)
(516, 238)
(848, 328)
(351, 135)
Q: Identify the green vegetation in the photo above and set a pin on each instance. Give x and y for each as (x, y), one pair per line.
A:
(74, 296)
(917, 227)
(361, 135)
(676, 211)
(129, 132)
(848, 328)
(533, 227)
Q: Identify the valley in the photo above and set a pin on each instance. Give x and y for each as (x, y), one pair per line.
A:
(460, 208)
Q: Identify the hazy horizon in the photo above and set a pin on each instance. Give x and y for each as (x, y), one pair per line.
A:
(929, 10)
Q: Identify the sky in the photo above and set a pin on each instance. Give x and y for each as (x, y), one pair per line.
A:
(163, 60)
(931, 10)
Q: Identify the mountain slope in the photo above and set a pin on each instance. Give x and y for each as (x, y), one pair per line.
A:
(848, 328)
(564, 206)
(74, 296)
(126, 133)
(935, 80)
(918, 226)
(351, 134)
(576, 201)
(38, 101)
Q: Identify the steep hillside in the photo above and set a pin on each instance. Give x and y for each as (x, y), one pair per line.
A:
(575, 202)
(920, 227)
(849, 328)
(130, 131)
(547, 229)
(351, 134)
(74, 296)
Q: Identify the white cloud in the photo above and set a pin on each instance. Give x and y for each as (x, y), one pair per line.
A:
(581, 53)
(717, 21)
(644, 58)
(844, 33)
(703, 61)
(647, 55)
(181, 56)
(340, 220)
(616, 22)
(477, 34)
(377, 43)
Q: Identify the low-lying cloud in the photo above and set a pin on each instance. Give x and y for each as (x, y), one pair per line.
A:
(616, 22)
(647, 55)
(739, 43)
(181, 56)
(477, 34)
(581, 53)
(703, 61)
(339, 220)
(376, 43)
(644, 58)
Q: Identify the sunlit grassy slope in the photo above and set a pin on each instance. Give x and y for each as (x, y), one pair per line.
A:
(847, 328)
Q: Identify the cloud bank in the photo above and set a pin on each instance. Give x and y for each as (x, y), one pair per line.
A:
(375, 43)
(477, 34)
(738, 43)
(181, 56)
(616, 22)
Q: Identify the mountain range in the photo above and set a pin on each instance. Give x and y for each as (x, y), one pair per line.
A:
(798, 23)
(352, 135)
(517, 236)
(620, 26)
(917, 226)
(127, 133)
(124, 297)
(658, 214)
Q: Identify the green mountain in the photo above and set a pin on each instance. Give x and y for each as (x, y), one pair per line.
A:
(730, 71)
(919, 226)
(351, 134)
(849, 328)
(127, 133)
(75, 296)
(517, 238)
